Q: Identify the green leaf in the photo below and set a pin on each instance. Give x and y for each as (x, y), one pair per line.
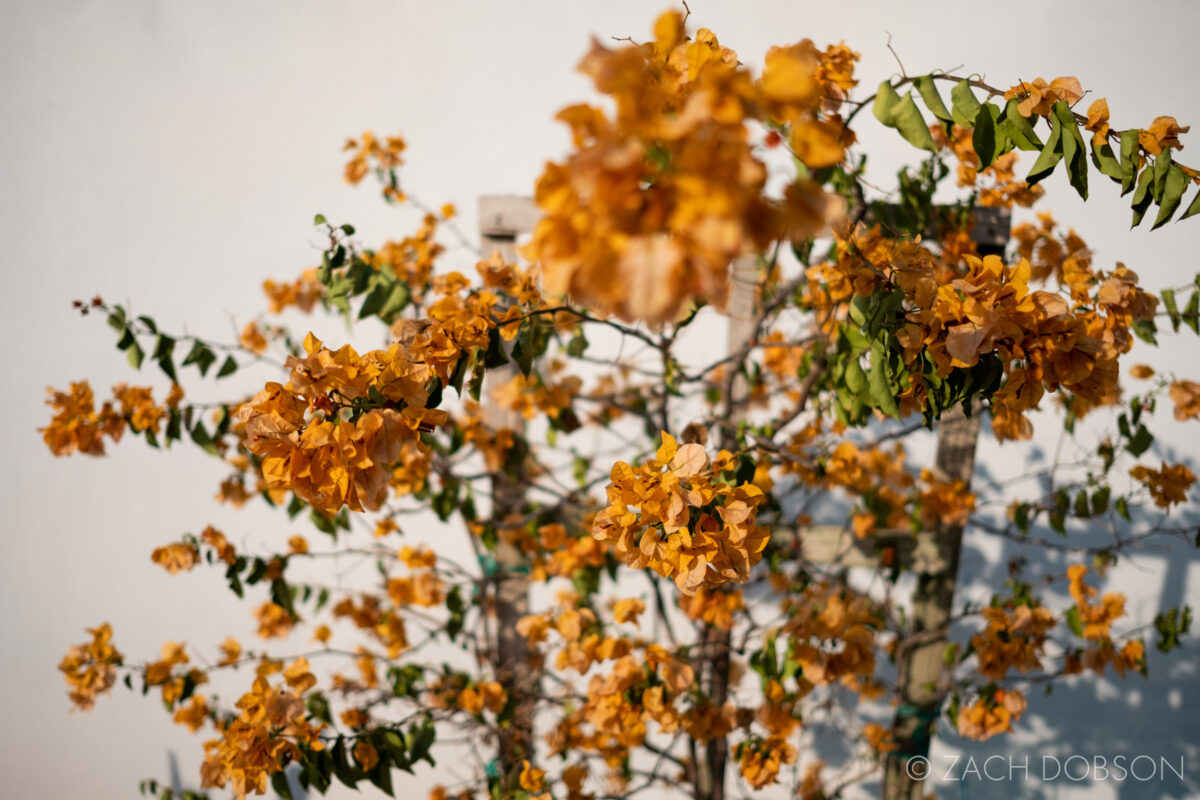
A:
(381, 776)
(933, 101)
(322, 523)
(457, 609)
(1074, 150)
(1106, 161)
(963, 101)
(578, 344)
(1122, 506)
(127, 339)
(168, 368)
(1193, 208)
(164, 346)
(1146, 330)
(1082, 506)
(201, 356)
(279, 783)
(375, 298)
(912, 125)
(459, 373)
(1141, 196)
(135, 356)
(202, 439)
(1172, 192)
(886, 100)
(1191, 314)
(1168, 298)
(1051, 154)
(1018, 129)
(343, 770)
(984, 138)
(475, 385)
(1162, 166)
(495, 356)
(257, 572)
(1021, 517)
(319, 219)
(1073, 621)
(1130, 156)
(858, 311)
(116, 319)
(902, 114)
(880, 386)
(1171, 625)
(855, 378)
(174, 430)
(1141, 441)
(228, 368)
(386, 300)
(523, 348)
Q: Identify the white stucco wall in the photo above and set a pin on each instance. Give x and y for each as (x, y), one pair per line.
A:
(171, 155)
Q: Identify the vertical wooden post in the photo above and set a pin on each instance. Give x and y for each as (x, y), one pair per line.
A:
(501, 220)
(921, 664)
(742, 311)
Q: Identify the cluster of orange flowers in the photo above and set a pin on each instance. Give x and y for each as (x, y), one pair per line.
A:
(1038, 98)
(552, 551)
(77, 426)
(653, 204)
(1053, 254)
(1005, 189)
(1096, 623)
(1044, 340)
(493, 444)
(423, 588)
(1186, 396)
(176, 557)
(253, 338)
(485, 694)
(308, 446)
(892, 497)
(162, 673)
(91, 668)
(1162, 134)
(620, 703)
(663, 515)
(714, 607)
(265, 736)
(1096, 619)
(992, 310)
(761, 759)
(274, 622)
(832, 630)
(781, 359)
(412, 258)
(303, 293)
(991, 714)
(1013, 639)
(384, 624)
(1168, 486)
(534, 396)
(368, 149)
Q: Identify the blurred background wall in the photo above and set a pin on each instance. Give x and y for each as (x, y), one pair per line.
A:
(171, 155)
